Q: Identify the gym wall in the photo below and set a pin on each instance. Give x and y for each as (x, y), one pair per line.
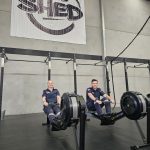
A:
(24, 82)
(123, 20)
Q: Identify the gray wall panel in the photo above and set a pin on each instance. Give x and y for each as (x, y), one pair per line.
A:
(24, 82)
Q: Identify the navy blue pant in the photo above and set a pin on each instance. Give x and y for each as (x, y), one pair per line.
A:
(52, 111)
(98, 107)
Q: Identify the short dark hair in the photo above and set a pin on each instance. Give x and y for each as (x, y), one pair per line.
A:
(93, 80)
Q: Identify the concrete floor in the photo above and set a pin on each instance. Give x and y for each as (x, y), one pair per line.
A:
(25, 132)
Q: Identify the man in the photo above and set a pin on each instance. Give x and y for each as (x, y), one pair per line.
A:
(51, 102)
(94, 102)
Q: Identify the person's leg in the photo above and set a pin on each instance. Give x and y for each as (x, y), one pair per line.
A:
(107, 106)
(99, 108)
(58, 115)
(91, 106)
(106, 102)
(95, 107)
(45, 111)
(50, 114)
(56, 110)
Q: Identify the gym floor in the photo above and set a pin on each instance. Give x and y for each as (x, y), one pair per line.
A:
(25, 132)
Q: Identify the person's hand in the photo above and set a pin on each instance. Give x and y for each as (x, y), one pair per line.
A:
(45, 104)
(98, 101)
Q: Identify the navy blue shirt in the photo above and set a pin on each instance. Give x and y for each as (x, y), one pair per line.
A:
(95, 92)
(51, 96)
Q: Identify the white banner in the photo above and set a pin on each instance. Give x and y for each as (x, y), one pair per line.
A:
(55, 20)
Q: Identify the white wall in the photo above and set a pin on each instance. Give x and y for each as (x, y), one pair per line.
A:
(24, 82)
(124, 18)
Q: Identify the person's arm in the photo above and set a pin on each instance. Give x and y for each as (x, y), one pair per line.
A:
(106, 96)
(44, 99)
(92, 97)
(58, 98)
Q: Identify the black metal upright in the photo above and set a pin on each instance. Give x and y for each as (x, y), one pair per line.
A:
(1, 80)
(75, 74)
(82, 128)
(149, 67)
(107, 79)
(126, 75)
(49, 76)
(148, 122)
(49, 66)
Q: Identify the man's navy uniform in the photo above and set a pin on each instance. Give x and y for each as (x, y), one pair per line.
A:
(52, 109)
(93, 106)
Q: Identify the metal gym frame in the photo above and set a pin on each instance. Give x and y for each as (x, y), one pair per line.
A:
(75, 65)
(146, 140)
(124, 61)
(81, 143)
(50, 55)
